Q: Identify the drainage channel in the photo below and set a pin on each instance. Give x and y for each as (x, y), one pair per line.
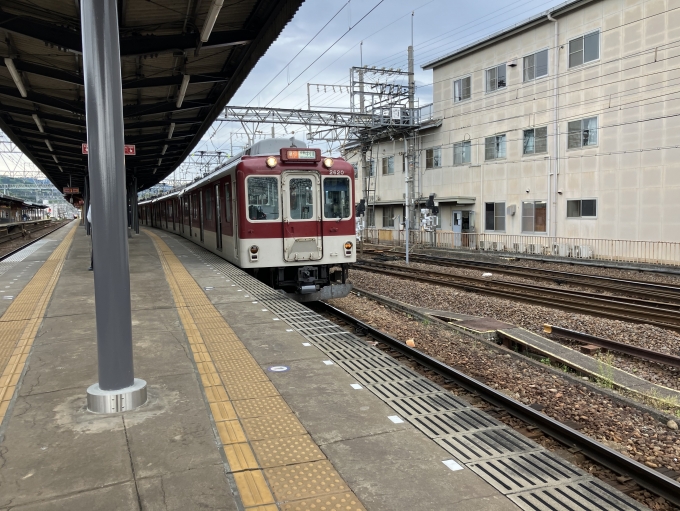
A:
(532, 477)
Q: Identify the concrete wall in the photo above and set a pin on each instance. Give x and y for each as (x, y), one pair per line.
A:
(636, 101)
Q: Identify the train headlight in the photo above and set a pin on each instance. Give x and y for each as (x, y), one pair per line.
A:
(254, 249)
(328, 162)
(348, 248)
(271, 162)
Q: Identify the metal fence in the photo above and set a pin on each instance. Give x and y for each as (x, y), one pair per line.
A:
(651, 252)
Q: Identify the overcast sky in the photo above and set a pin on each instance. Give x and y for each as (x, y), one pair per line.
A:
(439, 27)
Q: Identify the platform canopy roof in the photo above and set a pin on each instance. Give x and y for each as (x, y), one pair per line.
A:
(42, 107)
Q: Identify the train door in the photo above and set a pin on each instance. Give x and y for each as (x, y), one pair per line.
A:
(302, 234)
(218, 218)
(200, 213)
(191, 216)
(233, 208)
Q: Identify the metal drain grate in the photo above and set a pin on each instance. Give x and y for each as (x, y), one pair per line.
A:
(366, 364)
(486, 444)
(450, 423)
(397, 389)
(353, 354)
(386, 375)
(339, 342)
(431, 403)
(526, 471)
(578, 496)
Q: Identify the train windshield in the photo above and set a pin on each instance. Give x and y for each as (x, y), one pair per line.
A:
(263, 198)
(336, 193)
(301, 198)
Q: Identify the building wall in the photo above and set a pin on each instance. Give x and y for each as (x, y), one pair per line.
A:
(634, 170)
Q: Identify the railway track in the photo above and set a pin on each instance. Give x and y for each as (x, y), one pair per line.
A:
(662, 314)
(43, 232)
(639, 288)
(646, 477)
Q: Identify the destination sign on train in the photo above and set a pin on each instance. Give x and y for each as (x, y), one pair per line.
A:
(300, 154)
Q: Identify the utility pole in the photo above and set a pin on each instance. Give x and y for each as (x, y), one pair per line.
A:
(409, 143)
(367, 174)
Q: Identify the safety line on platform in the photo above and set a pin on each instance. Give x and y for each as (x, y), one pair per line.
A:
(273, 460)
(20, 322)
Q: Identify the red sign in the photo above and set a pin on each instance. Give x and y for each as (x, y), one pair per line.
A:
(68, 190)
(130, 150)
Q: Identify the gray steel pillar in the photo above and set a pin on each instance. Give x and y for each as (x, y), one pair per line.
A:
(117, 390)
(136, 207)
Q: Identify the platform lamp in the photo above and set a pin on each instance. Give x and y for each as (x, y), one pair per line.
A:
(117, 389)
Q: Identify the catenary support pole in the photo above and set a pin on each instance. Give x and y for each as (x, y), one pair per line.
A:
(117, 390)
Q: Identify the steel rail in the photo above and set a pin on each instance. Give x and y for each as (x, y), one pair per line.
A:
(566, 300)
(10, 254)
(640, 287)
(628, 349)
(646, 477)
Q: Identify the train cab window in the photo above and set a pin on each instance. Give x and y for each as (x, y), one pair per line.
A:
(336, 196)
(301, 198)
(263, 198)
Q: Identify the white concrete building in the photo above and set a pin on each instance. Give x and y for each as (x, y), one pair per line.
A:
(566, 125)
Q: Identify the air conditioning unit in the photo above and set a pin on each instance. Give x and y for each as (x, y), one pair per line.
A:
(534, 248)
(561, 250)
(498, 246)
(519, 248)
(482, 245)
(583, 251)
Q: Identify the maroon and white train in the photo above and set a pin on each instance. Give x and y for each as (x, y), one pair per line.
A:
(280, 211)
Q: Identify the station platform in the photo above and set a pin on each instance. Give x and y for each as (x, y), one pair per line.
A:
(255, 403)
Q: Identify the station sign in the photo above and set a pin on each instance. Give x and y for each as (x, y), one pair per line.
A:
(130, 149)
(71, 191)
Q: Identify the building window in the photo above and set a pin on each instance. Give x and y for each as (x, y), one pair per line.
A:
(536, 140)
(371, 167)
(582, 208)
(388, 216)
(494, 216)
(433, 157)
(582, 133)
(388, 166)
(462, 152)
(534, 215)
(584, 49)
(495, 78)
(370, 217)
(494, 147)
(461, 89)
(535, 65)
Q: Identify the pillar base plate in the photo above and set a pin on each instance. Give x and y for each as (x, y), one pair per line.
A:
(114, 401)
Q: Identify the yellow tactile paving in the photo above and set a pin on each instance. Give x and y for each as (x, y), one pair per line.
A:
(333, 502)
(20, 322)
(256, 426)
(304, 481)
(273, 426)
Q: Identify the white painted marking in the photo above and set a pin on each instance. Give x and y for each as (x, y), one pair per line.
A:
(209, 288)
(395, 418)
(276, 319)
(289, 330)
(305, 343)
(264, 310)
(239, 290)
(8, 297)
(328, 362)
(355, 386)
(452, 465)
(246, 296)
(233, 285)
(254, 302)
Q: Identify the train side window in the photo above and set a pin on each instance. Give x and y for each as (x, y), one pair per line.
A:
(263, 198)
(301, 198)
(208, 206)
(227, 202)
(337, 197)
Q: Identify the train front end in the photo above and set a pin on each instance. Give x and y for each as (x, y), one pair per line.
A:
(298, 228)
